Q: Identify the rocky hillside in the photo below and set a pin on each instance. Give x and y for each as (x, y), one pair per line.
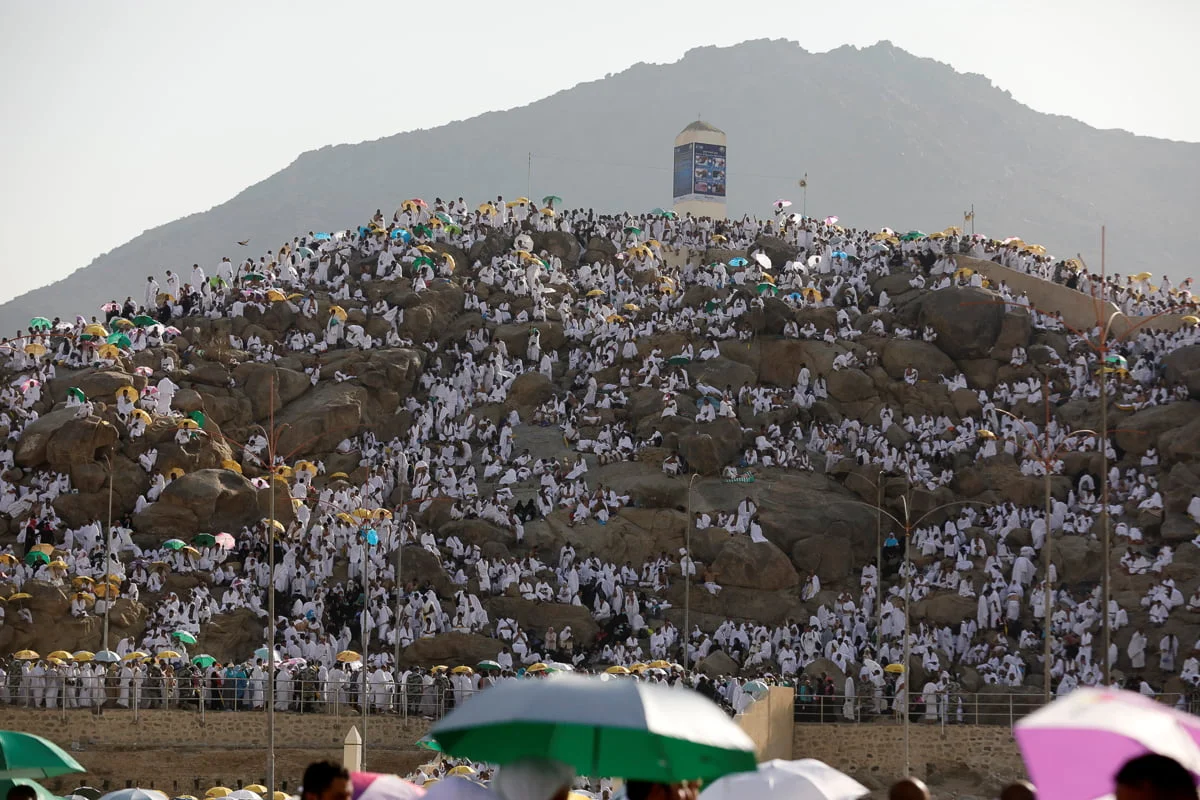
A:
(810, 518)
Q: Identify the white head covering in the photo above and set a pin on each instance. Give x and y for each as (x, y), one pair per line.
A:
(532, 779)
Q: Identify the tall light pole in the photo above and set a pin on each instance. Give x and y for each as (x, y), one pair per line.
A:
(687, 573)
(1047, 454)
(400, 513)
(108, 552)
(879, 487)
(804, 195)
(908, 524)
(366, 565)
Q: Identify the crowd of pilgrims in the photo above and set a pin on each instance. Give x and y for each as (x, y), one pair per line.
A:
(450, 451)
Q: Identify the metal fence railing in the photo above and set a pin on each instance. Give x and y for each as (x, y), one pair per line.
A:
(64, 696)
(943, 708)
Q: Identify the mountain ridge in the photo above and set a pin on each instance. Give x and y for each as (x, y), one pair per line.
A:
(885, 136)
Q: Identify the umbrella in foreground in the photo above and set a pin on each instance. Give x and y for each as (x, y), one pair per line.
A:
(806, 779)
(134, 794)
(1074, 746)
(23, 755)
(42, 792)
(377, 786)
(619, 729)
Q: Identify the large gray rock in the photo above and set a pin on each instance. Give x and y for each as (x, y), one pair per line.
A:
(1141, 431)
(1183, 366)
(928, 360)
(759, 565)
(210, 500)
(967, 320)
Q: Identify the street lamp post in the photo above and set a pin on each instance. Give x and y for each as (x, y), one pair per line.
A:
(879, 487)
(108, 552)
(687, 574)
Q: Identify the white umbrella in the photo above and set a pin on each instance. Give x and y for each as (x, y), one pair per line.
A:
(134, 794)
(762, 259)
(806, 779)
(243, 794)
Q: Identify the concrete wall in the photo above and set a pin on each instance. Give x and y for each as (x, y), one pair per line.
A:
(874, 752)
(1079, 310)
(770, 722)
(176, 749)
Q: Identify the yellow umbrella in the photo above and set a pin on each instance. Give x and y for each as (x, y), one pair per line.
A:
(463, 671)
(339, 476)
(719, 238)
(89, 600)
(174, 473)
(362, 513)
(637, 667)
(449, 259)
(547, 211)
(276, 296)
(617, 670)
(48, 549)
(58, 662)
(142, 415)
(60, 654)
(167, 655)
(936, 235)
(348, 657)
(83, 656)
(26, 655)
(80, 581)
(35, 349)
(536, 668)
(953, 230)
(20, 596)
(614, 318)
(632, 307)
(486, 208)
(338, 312)
(306, 466)
(220, 791)
(7, 558)
(986, 434)
(895, 669)
(439, 668)
(230, 464)
(283, 471)
(106, 590)
(109, 351)
(811, 294)
(276, 524)
(424, 248)
(346, 518)
(191, 551)
(463, 769)
(595, 293)
(95, 329)
(1191, 320)
(381, 513)
(129, 393)
(1036, 249)
(120, 322)
(188, 424)
(280, 796)
(136, 655)
(964, 272)
(659, 664)
(58, 563)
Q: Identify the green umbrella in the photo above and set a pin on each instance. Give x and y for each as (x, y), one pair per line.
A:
(40, 323)
(444, 217)
(142, 321)
(205, 539)
(551, 199)
(185, 636)
(488, 666)
(628, 729)
(422, 230)
(423, 261)
(77, 393)
(679, 361)
(669, 214)
(198, 416)
(23, 755)
(36, 557)
(204, 660)
(174, 544)
(453, 229)
(765, 287)
(634, 231)
(255, 276)
(120, 339)
(42, 792)
(427, 742)
(908, 237)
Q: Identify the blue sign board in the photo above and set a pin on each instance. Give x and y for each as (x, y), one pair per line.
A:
(708, 170)
(683, 171)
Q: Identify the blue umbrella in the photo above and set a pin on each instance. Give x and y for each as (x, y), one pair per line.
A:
(838, 254)
(738, 262)
(321, 236)
(106, 657)
(402, 234)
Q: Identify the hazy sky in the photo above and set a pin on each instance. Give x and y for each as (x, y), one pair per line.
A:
(117, 116)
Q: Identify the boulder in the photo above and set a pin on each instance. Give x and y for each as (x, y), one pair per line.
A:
(967, 320)
(322, 418)
(1183, 366)
(558, 243)
(945, 608)
(528, 391)
(1141, 431)
(781, 359)
(928, 360)
(205, 501)
(850, 385)
(755, 565)
(710, 447)
(778, 250)
(718, 663)
(452, 649)
(269, 388)
(79, 441)
(539, 616)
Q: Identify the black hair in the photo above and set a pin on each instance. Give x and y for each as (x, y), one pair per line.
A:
(1166, 776)
(320, 775)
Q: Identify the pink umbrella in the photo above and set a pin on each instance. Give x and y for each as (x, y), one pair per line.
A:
(1074, 746)
(225, 540)
(831, 220)
(376, 786)
(145, 372)
(171, 330)
(782, 204)
(111, 307)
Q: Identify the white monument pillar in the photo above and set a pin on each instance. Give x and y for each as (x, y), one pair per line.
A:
(699, 170)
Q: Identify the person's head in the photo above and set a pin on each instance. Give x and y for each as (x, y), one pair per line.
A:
(22, 792)
(908, 789)
(534, 779)
(1154, 777)
(647, 790)
(326, 780)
